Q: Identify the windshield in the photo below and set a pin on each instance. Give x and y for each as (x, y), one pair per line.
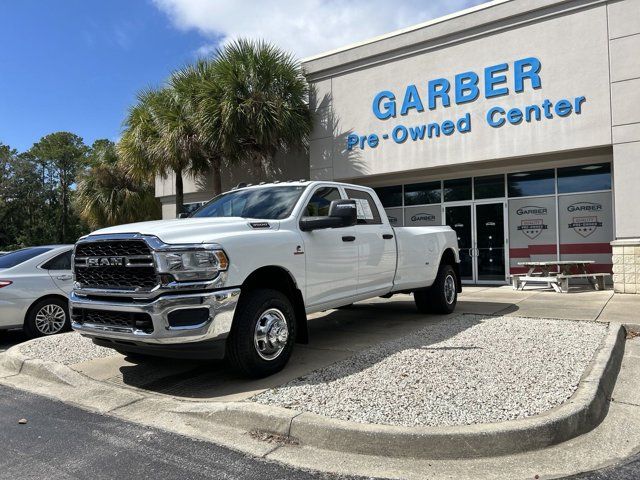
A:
(268, 203)
(19, 256)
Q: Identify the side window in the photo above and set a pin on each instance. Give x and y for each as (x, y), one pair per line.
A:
(318, 206)
(59, 262)
(368, 213)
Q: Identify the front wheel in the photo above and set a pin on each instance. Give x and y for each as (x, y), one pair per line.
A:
(47, 316)
(261, 340)
(442, 296)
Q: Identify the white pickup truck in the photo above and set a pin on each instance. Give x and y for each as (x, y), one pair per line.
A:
(237, 278)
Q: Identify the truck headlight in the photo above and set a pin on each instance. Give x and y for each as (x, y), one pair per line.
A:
(191, 263)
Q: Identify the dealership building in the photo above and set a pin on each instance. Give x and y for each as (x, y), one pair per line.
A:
(516, 122)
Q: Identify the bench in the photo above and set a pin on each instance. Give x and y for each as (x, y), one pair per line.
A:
(559, 282)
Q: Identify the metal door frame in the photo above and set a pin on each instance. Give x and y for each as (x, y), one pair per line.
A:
(474, 237)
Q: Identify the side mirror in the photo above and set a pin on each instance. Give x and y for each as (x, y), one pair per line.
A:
(345, 210)
(183, 215)
(342, 213)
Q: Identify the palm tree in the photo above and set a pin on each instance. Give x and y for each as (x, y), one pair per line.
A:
(161, 137)
(109, 193)
(190, 85)
(257, 103)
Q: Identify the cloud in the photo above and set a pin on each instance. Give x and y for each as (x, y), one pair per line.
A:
(304, 27)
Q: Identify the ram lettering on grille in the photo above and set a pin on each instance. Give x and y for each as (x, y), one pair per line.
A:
(116, 265)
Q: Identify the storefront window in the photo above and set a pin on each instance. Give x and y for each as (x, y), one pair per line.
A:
(390, 196)
(527, 184)
(491, 186)
(422, 193)
(584, 178)
(457, 189)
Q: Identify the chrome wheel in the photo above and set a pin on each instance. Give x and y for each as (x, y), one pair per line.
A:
(50, 319)
(271, 334)
(449, 289)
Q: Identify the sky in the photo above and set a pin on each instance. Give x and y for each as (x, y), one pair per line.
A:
(76, 65)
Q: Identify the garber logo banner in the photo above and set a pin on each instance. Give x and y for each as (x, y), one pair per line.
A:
(494, 81)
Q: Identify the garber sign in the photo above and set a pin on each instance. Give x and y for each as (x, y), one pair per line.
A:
(463, 88)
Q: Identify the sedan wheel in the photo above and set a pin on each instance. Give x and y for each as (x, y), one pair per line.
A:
(47, 316)
(50, 319)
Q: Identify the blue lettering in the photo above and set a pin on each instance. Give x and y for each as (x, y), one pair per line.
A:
(492, 113)
(373, 140)
(352, 141)
(388, 107)
(532, 66)
(439, 88)
(433, 129)
(578, 104)
(514, 116)
(464, 124)
(532, 109)
(417, 133)
(448, 127)
(563, 108)
(466, 87)
(399, 134)
(411, 100)
(491, 80)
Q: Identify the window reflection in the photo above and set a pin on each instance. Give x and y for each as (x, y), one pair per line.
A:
(422, 193)
(584, 178)
(526, 184)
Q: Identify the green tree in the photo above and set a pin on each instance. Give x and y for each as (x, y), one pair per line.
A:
(109, 193)
(62, 155)
(258, 102)
(191, 85)
(161, 137)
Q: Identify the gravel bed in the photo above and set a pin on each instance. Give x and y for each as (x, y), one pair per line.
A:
(465, 370)
(66, 348)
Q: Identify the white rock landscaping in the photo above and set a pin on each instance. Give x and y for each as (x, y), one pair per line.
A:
(464, 370)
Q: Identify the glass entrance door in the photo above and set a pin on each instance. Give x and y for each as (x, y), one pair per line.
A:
(490, 242)
(460, 219)
(481, 236)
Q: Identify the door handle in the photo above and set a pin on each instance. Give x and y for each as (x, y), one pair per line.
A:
(64, 277)
(348, 238)
(387, 236)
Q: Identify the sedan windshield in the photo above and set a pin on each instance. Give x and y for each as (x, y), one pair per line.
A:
(19, 256)
(268, 203)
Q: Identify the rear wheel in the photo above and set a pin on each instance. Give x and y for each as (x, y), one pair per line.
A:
(442, 296)
(47, 316)
(263, 334)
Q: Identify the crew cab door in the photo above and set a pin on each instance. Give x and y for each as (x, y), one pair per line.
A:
(376, 246)
(331, 254)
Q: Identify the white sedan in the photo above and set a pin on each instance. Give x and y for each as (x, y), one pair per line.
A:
(34, 286)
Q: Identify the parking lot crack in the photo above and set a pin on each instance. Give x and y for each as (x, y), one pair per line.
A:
(125, 405)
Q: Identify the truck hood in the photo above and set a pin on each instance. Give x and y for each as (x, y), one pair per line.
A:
(189, 230)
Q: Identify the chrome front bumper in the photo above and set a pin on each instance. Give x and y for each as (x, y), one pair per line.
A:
(221, 303)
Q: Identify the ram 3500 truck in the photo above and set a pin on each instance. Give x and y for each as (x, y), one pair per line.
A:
(238, 278)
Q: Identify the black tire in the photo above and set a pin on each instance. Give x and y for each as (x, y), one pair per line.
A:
(245, 352)
(438, 298)
(48, 308)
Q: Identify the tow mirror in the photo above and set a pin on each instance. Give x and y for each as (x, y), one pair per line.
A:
(345, 210)
(342, 213)
(183, 215)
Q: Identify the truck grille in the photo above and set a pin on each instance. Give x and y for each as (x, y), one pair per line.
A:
(115, 265)
(106, 318)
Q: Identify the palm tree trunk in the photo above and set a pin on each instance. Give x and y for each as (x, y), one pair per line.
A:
(179, 192)
(216, 174)
(258, 170)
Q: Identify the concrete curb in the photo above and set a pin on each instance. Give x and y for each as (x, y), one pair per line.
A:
(586, 408)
